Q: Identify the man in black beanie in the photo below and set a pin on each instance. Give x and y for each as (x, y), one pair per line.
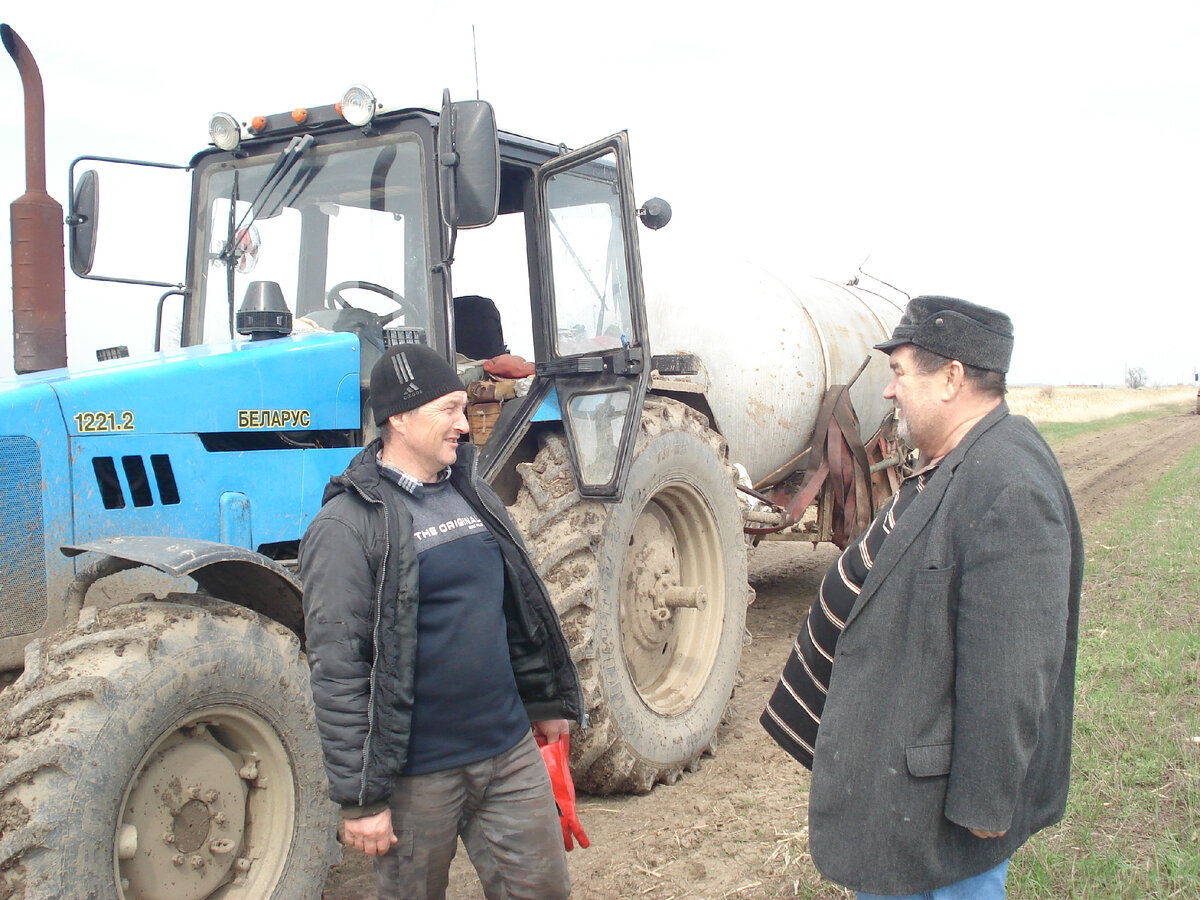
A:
(435, 654)
(931, 687)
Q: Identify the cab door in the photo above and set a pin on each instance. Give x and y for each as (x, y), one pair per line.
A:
(592, 279)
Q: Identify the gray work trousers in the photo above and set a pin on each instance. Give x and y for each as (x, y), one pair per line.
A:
(503, 808)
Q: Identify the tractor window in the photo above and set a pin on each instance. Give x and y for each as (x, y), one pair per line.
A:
(343, 228)
(596, 421)
(493, 262)
(587, 245)
(363, 248)
(265, 253)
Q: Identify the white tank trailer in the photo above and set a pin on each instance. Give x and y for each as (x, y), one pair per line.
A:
(782, 349)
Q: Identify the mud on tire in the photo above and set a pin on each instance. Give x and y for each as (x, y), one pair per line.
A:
(627, 580)
(164, 749)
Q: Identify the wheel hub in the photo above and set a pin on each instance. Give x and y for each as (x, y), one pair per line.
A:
(671, 619)
(183, 820)
(651, 598)
(192, 825)
(646, 621)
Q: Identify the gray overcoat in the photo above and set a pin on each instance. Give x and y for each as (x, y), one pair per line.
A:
(952, 693)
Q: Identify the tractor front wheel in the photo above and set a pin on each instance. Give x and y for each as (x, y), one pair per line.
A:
(167, 749)
(652, 594)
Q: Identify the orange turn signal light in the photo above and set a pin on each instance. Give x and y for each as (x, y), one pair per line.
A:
(299, 116)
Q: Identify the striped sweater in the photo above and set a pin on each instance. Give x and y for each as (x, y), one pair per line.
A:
(793, 713)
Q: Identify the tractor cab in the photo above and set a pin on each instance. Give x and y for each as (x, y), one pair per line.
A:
(408, 225)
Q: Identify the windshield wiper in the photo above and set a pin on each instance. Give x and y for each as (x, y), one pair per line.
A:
(282, 165)
(229, 242)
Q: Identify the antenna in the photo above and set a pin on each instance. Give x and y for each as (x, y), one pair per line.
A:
(475, 52)
(854, 281)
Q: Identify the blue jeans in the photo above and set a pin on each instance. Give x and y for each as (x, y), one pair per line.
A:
(986, 886)
(503, 809)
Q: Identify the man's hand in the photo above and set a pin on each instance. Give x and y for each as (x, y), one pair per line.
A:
(372, 835)
(987, 834)
(552, 729)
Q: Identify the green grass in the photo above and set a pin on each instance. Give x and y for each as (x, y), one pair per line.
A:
(1132, 828)
(1058, 433)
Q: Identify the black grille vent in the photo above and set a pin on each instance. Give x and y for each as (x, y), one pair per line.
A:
(138, 478)
(22, 537)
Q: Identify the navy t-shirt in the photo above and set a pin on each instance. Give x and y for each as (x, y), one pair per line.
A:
(467, 706)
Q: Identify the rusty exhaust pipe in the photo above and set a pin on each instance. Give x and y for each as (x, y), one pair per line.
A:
(39, 274)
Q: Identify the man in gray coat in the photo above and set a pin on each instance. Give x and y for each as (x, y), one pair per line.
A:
(944, 739)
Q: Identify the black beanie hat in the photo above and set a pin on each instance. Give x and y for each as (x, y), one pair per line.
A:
(408, 376)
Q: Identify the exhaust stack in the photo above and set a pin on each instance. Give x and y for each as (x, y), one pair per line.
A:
(39, 277)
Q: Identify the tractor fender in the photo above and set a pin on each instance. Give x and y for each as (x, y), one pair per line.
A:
(234, 574)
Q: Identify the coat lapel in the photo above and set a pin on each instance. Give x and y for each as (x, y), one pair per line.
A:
(920, 510)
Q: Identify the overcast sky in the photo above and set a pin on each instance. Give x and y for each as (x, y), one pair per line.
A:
(1036, 157)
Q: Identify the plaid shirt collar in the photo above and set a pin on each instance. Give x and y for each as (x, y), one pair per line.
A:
(414, 486)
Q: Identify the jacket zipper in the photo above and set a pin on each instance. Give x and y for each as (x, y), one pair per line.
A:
(517, 543)
(387, 547)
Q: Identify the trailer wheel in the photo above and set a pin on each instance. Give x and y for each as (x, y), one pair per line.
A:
(164, 749)
(652, 595)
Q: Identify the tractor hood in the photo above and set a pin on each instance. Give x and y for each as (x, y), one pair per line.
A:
(295, 383)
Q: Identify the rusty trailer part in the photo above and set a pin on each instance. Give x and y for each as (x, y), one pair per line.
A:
(846, 477)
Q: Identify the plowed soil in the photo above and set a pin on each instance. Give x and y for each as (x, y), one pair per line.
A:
(736, 828)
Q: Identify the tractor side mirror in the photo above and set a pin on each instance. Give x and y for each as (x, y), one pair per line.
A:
(655, 213)
(468, 163)
(83, 218)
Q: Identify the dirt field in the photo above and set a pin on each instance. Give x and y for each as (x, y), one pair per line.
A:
(736, 828)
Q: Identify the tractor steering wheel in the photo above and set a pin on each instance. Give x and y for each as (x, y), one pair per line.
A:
(334, 296)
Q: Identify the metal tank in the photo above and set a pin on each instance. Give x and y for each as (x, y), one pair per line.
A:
(771, 351)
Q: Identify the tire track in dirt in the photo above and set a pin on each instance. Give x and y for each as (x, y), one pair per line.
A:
(1104, 470)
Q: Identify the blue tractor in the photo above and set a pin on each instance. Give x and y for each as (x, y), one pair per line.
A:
(157, 730)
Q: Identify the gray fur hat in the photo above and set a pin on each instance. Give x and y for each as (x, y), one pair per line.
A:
(974, 335)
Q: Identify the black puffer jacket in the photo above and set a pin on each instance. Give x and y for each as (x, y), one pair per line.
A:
(359, 569)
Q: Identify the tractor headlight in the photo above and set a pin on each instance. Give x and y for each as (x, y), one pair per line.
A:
(357, 105)
(225, 131)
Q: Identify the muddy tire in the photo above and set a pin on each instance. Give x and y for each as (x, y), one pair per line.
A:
(652, 594)
(164, 749)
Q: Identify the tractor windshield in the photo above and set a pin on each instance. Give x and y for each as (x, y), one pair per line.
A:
(343, 229)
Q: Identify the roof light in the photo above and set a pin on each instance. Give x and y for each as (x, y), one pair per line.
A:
(258, 124)
(224, 131)
(357, 105)
(299, 116)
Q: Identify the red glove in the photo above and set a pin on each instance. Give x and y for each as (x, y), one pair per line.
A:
(556, 756)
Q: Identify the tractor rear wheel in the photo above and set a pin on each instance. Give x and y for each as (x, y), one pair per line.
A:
(165, 749)
(652, 594)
